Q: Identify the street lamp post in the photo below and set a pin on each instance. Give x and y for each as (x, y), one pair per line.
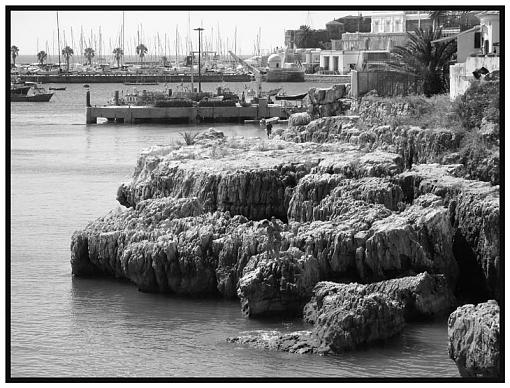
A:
(199, 29)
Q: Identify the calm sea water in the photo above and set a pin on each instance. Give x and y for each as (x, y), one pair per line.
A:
(64, 174)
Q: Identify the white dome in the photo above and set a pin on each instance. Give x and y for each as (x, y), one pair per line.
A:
(274, 58)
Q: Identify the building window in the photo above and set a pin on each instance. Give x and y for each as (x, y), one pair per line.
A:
(387, 26)
(477, 39)
(397, 25)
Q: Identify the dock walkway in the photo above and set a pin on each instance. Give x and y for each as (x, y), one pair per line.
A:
(136, 114)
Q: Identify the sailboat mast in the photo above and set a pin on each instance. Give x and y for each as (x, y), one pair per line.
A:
(235, 41)
(176, 45)
(58, 44)
(123, 52)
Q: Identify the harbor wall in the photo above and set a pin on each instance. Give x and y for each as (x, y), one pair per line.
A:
(133, 114)
(114, 78)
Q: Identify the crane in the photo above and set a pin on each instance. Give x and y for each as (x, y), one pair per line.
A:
(256, 72)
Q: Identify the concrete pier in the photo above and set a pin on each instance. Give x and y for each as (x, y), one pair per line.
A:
(120, 78)
(138, 114)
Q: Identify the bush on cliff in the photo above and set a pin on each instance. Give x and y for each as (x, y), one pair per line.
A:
(480, 157)
(189, 137)
(431, 113)
(480, 100)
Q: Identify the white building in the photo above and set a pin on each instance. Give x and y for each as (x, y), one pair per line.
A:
(477, 47)
(388, 22)
(489, 22)
(343, 61)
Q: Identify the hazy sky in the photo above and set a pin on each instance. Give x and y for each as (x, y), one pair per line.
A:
(32, 30)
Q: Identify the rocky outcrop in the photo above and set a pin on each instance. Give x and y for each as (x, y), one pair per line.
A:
(323, 196)
(412, 143)
(299, 342)
(328, 101)
(421, 296)
(361, 320)
(252, 178)
(415, 240)
(173, 238)
(351, 316)
(277, 284)
(381, 111)
(473, 208)
(194, 221)
(358, 320)
(474, 339)
(302, 118)
(322, 130)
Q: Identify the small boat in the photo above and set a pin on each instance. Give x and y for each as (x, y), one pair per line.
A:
(21, 90)
(273, 92)
(39, 94)
(19, 87)
(86, 86)
(291, 97)
(57, 88)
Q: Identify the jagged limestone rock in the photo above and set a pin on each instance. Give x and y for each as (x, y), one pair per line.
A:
(421, 296)
(474, 339)
(473, 212)
(277, 284)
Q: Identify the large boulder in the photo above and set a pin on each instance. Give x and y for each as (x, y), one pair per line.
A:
(474, 339)
(277, 284)
(358, 320)
(421, 296)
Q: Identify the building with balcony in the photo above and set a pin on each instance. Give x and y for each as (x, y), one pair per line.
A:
(477, 47)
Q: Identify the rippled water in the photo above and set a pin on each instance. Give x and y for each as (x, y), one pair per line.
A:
(64, 174)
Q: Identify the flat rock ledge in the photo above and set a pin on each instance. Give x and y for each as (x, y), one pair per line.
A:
(474, 339)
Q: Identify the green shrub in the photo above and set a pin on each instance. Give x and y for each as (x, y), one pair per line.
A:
(480, 100)
(189, 137)
(434, 112)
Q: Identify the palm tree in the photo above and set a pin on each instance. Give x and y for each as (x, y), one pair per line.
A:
(141, 50)
(164, 59)
(41, 57)
(67, 52)
(118, 52)
(14, 54)
(429, 61)
(89, 53)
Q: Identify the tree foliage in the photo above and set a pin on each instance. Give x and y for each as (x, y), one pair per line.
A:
(118, 53)
(67, 52)
(14, 54)
(89, 53)
(41, 57)
(428, 61)
(141, 50)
